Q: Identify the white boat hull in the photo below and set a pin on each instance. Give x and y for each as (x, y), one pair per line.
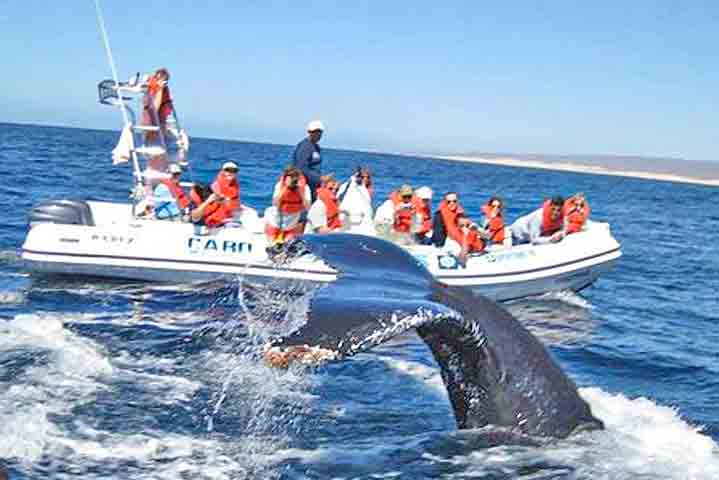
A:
(122, 247)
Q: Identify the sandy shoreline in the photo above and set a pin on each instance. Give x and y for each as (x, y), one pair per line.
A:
(580, 168)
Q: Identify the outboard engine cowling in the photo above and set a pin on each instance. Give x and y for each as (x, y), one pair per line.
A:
(69, 212)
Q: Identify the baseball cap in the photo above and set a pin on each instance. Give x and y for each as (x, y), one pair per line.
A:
(315, 125)
(230, 165)
(424, 193)
(405, 190)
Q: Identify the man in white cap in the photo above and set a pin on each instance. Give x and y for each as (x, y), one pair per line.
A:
(307, 156)
(423, 235)
(169, 197)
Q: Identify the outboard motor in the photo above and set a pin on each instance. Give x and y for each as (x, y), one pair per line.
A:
(69, 212)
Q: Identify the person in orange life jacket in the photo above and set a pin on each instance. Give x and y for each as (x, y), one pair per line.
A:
(423, 235)
(169, 197)
(445, 220)
(544, 225)
(307, 156)
(324, 214)
(206, 207)
(576, 212)
(471, 241)
(227, 191)
(493, 223)
(290, 202)
(157, 104)
(405, 208)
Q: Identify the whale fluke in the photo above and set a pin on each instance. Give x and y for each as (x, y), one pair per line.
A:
(496, 372)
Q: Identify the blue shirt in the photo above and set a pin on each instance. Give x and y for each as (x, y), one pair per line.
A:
(165, 203)
(307, 158)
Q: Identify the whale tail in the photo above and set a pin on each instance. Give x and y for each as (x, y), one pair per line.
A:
(495, 371)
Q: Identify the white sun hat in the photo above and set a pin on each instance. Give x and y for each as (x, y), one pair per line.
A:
(227, 165)
(315, 125)
(424, 193)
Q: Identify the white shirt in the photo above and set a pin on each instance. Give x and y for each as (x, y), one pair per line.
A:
(316, 217)
(356, 200)
(529, 228)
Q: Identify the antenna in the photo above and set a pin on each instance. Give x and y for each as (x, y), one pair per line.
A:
(121, 102)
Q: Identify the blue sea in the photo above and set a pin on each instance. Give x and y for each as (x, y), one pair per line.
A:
(122, 380)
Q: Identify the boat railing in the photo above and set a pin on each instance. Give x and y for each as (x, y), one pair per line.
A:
(145, 138)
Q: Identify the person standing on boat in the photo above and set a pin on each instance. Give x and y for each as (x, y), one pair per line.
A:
(445, 221)
(308, 156)
(324, 214)
(157, 105)
(169, 197)
(544, 225)
(285, 219)
(227, 191)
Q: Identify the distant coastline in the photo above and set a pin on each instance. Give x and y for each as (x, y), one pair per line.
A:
(662, 169)
(669, 170)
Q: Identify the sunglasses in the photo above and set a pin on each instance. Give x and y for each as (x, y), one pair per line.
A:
(463, 224)
(231, 170)
(496, 205)
(451, 201)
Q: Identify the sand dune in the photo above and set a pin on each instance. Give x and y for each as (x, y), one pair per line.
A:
(684, 171)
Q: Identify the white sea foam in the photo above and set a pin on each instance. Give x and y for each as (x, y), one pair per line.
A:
(569, 297)
(643, 438)
(67, 373)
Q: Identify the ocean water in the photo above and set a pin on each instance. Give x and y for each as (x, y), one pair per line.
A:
(102, 379)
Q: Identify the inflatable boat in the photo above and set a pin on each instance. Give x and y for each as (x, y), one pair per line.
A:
(116, 240)
(105, 239)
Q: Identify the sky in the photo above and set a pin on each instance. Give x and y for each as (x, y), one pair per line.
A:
(556, 77)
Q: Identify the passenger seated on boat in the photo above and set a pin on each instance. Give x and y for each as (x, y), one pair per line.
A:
(169, 197)
(493, 222)
(355, 198)
(362, 177)
(445, 220)
(576, 213)
(227, 191)
(472, 241)
(157, 104)
(544, 225)
(285, 219)
(324, 214)
(397, 218)
(206, 209)
(423, 235)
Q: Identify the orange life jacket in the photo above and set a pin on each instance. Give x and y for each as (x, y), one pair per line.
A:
(228, 190)
(495, 225)
(550, 226)
(291, 204)
(472, 241)
(333, 211)
(153, 87)
(576, 216)
(178, 193)
(425, 213)
(403, 218)
(292, 200)
(449, 218)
